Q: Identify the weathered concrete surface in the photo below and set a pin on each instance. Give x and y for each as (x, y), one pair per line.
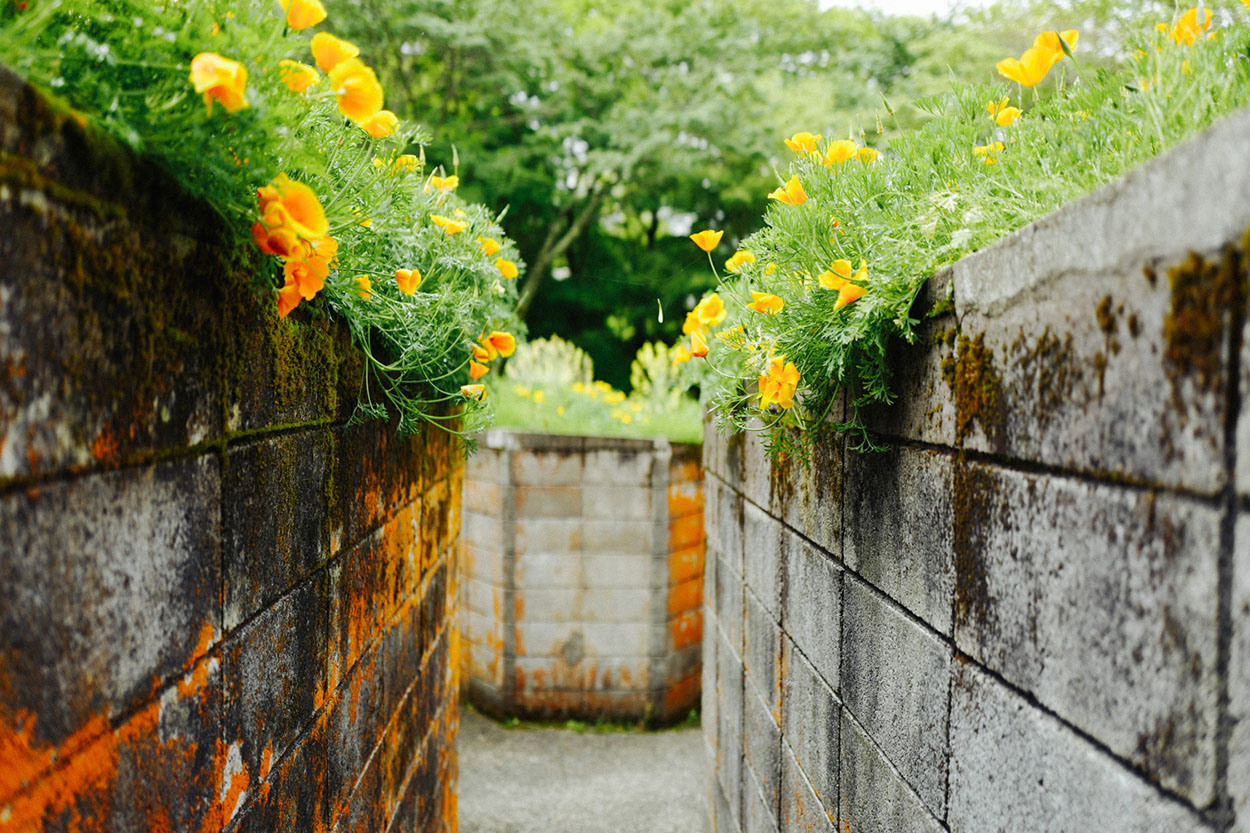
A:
(559, 781)
(1031, 613)
(224, 608)
(584, 560)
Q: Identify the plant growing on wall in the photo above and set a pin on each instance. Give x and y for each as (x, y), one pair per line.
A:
(255, 108)
(806, 309)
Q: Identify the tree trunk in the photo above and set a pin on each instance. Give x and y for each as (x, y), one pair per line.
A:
(556, 245)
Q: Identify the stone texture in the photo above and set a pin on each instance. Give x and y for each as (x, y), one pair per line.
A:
(1014, 768)
(901, 539)
(896, 682)
(810, 713)
(1239, 678)
(763, 557)
(813, 608)
(875, 797)
(1101, 602)
(112, 581)
(761, 758)
(801, 811)
(729, 729)
(218, 592)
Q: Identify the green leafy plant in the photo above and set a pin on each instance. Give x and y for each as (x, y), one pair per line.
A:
(212, 92)
(853, 234)
(549, 387)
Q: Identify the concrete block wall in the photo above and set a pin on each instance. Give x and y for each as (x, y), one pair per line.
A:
(224, 608)
(1032, 613)
(583, 571)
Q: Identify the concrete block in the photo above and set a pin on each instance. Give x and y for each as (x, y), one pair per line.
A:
(273, 669)
(607, 534)
(759, 814)
(622, 468)
(547, 604)
(484, 598)
(547, 467)
(592, 673)
(111, 581)
(730, 728)
(377, 472)
(813, 607)
(810, 713)
(763, 652)
(727, 536)
(548, 501)
(723, 819)
(730, 605)
(1096, 371)
(1242, 436)
(489, 465)
(625, 570)
(875, 797)
(801, 810)
(617, 604)
(275, 526)
(924, 408)
(630, 639)
(896, 682)
(630, 503)
(1102, 603)
(708, 695)
(548, 535)
(764, 557)
(761, 750)
(809, 499)
(538, 570)
(757, 471)
(1239, 678)
(485, 532)
(1015, 768)
(686, 565)
(484, 497)
(900, 537)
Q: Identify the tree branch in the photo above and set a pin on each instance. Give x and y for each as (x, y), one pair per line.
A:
(553, 248)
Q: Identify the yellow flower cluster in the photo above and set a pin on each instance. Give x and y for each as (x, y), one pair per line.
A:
(489, 347)
(354, 85)
(1047, 50)
(293, 226)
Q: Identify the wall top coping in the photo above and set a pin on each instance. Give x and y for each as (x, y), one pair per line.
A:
(504, 439)
(1144, 211)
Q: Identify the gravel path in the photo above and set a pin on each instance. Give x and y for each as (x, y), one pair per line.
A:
(559, 781)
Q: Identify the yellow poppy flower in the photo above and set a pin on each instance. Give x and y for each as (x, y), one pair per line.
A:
(330, 51)
(803, 143)
(1007, 116)
(707, 239)
(477, 392)
(381, 124)
(443, 183)
(867, 155)
(988, 153)
(838, 277)
(309, 265)
(840, 151)
(366, 287)
(490, 246)
(1030, 68)
(219, 79)
(477, 370)
(698, 344)
(681, 355)
(763, 302)
(506, 268)
(408, 280)
(1188, 28)
(359, 93)
(298, 77)
(290, 212)
(288, 298)
(710, 311)
(406, 162)
(791, 193)
(739, 259)
(300, 14)
(448, 226)
(503, 343)
(778, 384)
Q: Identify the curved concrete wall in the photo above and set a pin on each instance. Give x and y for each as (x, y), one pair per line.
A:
(223, 607)
(1033, 612)
(583, 577)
